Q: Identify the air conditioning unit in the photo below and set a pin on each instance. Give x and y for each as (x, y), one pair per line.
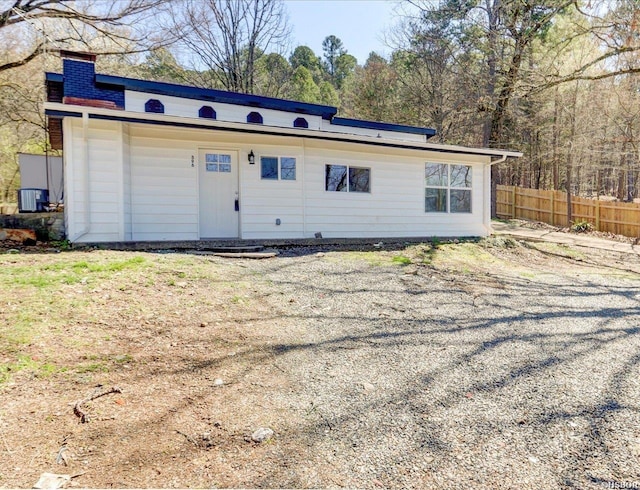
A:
(32, 200)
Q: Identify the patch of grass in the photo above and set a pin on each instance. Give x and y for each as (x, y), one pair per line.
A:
(64, 272)
(22, 329)
(94, 367)
(401, 260)
(423, 253)
(374, 258)
(498, 241)
(123, 358)
(464, 257)
(64, 245)
(560, 250)
(39, 369)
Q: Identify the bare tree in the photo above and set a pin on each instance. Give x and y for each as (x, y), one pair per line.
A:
(71, 24)
(227, 37)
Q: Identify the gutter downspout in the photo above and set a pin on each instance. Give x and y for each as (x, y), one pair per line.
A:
(486, 218)
(87, 195)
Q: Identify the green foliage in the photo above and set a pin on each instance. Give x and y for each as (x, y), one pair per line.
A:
(162, 65)
(581, 226)
(332, 48)
(64, 245)
(345, 65)
(375, 93)
(328, 94)
(303, 88)
(304, 56)
(273, 75)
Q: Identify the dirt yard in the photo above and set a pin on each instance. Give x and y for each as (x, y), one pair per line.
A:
(497, 364)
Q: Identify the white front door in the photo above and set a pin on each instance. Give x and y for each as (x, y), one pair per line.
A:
(219, 199)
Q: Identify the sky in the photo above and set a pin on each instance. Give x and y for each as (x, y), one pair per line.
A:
(360, 24)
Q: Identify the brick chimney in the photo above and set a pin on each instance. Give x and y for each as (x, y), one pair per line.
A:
(79, 83)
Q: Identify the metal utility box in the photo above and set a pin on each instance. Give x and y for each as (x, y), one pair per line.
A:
(32, 200)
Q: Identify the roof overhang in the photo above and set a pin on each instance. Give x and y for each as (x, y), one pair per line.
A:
(59, 110)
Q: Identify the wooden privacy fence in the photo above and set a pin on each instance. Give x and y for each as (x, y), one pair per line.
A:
(550, 207)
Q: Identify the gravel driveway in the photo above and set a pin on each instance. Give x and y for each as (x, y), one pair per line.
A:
(513, 368)
(484, 365)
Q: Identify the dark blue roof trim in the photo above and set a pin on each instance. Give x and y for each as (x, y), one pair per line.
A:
(52, 113)
(174, 90)
(357, 123)
(54, 77)
(266, 131)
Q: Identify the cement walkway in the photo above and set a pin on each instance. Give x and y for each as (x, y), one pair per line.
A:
(574, 239)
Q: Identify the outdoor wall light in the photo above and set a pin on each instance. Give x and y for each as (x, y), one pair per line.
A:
(252, 158)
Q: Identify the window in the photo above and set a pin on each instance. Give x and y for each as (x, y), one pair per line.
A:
(218, 162)
(272, 168)
(288, 168)
(207, 112)
(269, 168)
(154, 105)
(254, 117)
(343, 178)
(447, 188)
(300, 122)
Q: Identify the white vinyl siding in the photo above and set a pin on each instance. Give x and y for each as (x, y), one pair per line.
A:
(393, 208)
(126, 181)
(266, 200)
(103, 197)
(143, 186)
(164, 198)
(165, 186)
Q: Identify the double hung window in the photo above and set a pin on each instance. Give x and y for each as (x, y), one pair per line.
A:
(447, 188)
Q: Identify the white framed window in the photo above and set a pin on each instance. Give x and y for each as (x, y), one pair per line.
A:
(447, 188)
(215, 162)
(346, 178)
(277, 168)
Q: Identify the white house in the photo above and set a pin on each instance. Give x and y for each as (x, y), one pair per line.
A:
(147, 161)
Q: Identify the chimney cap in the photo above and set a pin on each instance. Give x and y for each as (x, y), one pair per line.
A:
(77, 55)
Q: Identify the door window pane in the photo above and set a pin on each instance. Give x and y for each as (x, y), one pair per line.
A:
(212, 167)
(211, 158)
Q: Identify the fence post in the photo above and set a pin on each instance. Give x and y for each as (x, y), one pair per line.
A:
(598, 215)
(553, 208)
(513, 201)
